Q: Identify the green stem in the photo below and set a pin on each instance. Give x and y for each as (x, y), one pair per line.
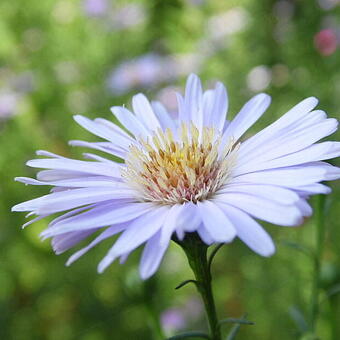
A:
(320, 237)
(196, 252)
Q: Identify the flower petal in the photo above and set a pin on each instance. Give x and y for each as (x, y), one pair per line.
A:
(64, 242)
(144, 112)
(130, 122)
(163, 116)
(263, 209)
(152, 256)
(69, 199)
(140, 230)
(216, 223)
(95, 168)
(192, 101)
(276, 193)
(249, 231)
(248, 115)
(109, 232)
(100, 216)
(298, 112)
(215, 107)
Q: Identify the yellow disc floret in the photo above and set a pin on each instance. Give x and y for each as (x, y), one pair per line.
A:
(190, 167)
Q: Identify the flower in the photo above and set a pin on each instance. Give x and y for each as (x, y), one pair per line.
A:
(326, 42)
(192, 174)
(95, 7)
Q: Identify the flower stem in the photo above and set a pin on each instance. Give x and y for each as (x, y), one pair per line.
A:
(320, 237)
(196, 252)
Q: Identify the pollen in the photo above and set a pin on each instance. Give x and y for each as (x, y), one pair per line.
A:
(190, 166)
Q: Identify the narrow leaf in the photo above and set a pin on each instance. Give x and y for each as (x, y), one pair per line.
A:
(299, 247)
(213, 253)
(299, 319)
(233, 332)
(185, 283)
(192, 335)
(239, 321)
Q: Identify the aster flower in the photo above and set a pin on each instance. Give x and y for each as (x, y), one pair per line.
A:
(192, 174)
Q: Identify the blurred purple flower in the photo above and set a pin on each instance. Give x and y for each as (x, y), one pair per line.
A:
(326, 42)
(150, 70)
(145, 71)
(95, 7)
(173, 319)
(128, 16)
(196, 2)
(193, 308)
(8, 104)
(23, 82)
(328, 4)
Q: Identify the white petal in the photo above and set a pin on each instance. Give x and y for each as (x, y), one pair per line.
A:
(152, 256)
(216, 223)
(100, 216)
(276, 193)
(316, 152)
(103, 131)
(114, 127)
(110, 148)
(95, 168)
(170, 223)
(62, 243)
(248, 115)
(305, 208)
(137, 233)
(182, 116)
(286, 177)
(205, 235)
(48, 154)
(263, 209)
(163, 116)
(130, 122)
(192, 100)
(85, 182)
(144, 112)
(290, 142)
(70, 199)
(55, 175)
(101, 237)
(207, 107)
(313, 189)
(249, 231)
(291, 117)
(182, 218)
(219, 107)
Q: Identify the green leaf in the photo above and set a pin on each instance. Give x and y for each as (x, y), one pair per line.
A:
(299, 319)
(213, 253)
(185, 283)
(238, 321)
(192, 335)
(299, 247)
(334, 290)
(233, 332)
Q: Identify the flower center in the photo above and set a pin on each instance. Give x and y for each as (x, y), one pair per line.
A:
(170, 170)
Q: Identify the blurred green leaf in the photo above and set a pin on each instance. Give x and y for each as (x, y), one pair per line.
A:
(233, 332)
(239, 321)
(192, 335)
(299, 319)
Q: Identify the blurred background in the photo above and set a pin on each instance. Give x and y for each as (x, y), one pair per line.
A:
(64, 57)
